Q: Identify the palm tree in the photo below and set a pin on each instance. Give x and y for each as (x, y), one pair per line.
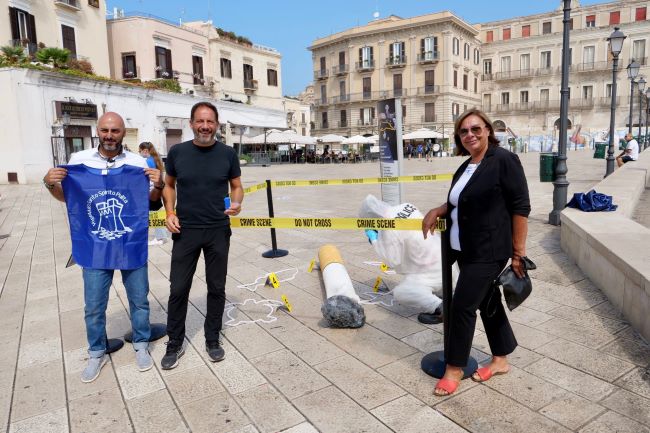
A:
(13, 54)
(52, 55)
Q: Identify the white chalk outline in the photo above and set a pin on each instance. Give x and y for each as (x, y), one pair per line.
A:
(270, 318)
(265, 277)
(376, 295)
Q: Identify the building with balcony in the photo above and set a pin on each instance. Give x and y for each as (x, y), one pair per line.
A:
(78, 25)
(522, 62)
(430, 62)
(298, 115)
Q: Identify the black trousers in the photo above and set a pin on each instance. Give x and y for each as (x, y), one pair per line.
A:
(188, 244)
(472, 293)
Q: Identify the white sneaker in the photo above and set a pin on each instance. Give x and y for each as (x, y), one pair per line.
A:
(93, 368)
(143, 359)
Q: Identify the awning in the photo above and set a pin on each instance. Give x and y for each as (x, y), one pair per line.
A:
(245, 115)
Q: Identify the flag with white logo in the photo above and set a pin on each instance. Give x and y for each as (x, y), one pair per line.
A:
(108, 212)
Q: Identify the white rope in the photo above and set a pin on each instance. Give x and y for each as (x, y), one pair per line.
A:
(271, 304)
(255, 283)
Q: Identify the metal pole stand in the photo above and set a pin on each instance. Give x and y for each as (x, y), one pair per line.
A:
(113, 345)
(274, 252)
(158, 331)
(434, 363)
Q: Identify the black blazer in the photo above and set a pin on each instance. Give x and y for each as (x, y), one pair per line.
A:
(496, 191)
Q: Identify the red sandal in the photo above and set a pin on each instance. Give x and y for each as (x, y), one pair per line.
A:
(484, 373)
(447, 385)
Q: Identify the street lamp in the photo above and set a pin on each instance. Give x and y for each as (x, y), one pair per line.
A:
(647, 112)
(632, 72)
(641, 84)
(616, 46)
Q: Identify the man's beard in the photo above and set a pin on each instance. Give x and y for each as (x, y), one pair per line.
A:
(202, 139)
(110, 147)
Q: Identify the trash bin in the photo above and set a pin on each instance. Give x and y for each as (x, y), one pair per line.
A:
(547, 163)
(599, 151)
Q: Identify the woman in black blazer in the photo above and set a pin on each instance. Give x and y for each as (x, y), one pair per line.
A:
(487, 214)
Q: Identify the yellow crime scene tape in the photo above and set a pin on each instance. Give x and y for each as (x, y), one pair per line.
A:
(353, 181)
(157, 219)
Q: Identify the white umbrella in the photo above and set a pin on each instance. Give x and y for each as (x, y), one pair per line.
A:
(331, 138)
(358, 139)
(273, 136)
(421, 134)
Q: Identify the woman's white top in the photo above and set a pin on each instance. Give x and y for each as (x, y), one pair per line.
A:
(453, 199)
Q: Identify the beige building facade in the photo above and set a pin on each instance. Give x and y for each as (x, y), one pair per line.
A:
(522, 62)
(78, 25)
(430, 62)
(298, 115)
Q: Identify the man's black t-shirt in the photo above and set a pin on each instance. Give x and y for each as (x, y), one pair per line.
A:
(202, 179)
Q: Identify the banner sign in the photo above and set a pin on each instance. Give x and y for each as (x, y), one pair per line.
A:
(390, 146)
(108, 213)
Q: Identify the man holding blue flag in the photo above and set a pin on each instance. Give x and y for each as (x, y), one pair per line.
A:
(106, 191)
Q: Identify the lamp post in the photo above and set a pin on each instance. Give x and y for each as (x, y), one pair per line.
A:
(647, 112)
(615, 46)
(641, 84)
(632, 72)
(560, 184)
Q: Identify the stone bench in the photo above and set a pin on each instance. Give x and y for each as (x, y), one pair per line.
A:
(611, 249)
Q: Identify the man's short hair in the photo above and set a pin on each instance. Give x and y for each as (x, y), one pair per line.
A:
(207, 105)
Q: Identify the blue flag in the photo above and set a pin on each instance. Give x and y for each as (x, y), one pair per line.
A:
(108, 212)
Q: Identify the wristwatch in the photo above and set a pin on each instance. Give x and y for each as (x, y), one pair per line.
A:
(160, 187)
(49, 186)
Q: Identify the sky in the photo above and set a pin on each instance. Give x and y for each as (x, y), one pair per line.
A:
(290, 26)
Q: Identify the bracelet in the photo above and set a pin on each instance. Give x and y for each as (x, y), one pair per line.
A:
(169, 212)
(49, 186)
(160, 188)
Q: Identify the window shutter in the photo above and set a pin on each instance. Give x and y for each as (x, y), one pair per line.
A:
(372, 56)
(402, 50)
(124, 67)
(360, 56)
(13, 18)
(361, 114)
(422, 46)
(31, 29)
(168, 60)
(390, 52)
(372, 112)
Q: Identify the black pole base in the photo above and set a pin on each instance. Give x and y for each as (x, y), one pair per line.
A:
(114, 344)
(434, 364)
(272, 254)
(158, 331)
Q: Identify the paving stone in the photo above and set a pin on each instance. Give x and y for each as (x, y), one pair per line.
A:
(134, 383)
(302, 428)
(73, 330)
(32, 353)
(528, 316)
(188, 361)
(268, 410)
(573, 380)
(101, 412)
(496, 413)
(590, 319)
(359, 381)
(613, 422)
(247, 429)
(251, 340)
(570, 296)
(408, 415)
(633, 351)
(37, 390)
(637, 381)
(236, 373)
(523, 357)
(585, 359)
(530, 338)
(540, 304)
(156, 412)
(369, 345)
(75, 388)
(191, 385)
(50, 422)
(324, 408)
(629, 404)
(572, 411)
(425, 341)
(289, 374)
(391, 323)
(586, 336)
(224, 414)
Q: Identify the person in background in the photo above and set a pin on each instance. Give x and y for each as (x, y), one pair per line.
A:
(631, 152)
(487, 213)
(148, 151)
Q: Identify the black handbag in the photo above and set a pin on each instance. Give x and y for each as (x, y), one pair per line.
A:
(515, 289)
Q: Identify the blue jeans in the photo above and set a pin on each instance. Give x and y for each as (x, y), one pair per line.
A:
(97, 283)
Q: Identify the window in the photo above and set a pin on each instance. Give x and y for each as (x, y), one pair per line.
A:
(341, 58)
(456, 46)
(23, 28)
(475, 85)
(505, 64)
(525, 31)
(505, 98)
(590, 21)
(248, 76)
(403, 111)
(429, 81)
(344, 119)
(608, 90)
(302, 117)
(129, 68)
(477, 56)
(489, 36)
(365, 57)
(397, 85)
(487, 66)
(487, 102)
(523, 96)
(67, 36)
(367, 88)
(465, 82)
(455, 110)
(342, 91)
(545, 59)
(587, 92)
(323, 66)
(455, 78)
(323, 94)
(466, 51)
(396, 53)
(429, 112)
(367, 115)
(429, 48)
(614, 18)
(588, 54)
(303, 131)
(272, 77)
(323, 118)
(546, 27)
(197, 69)
(226, 71)
(640, 14)
(638, 51)
(571, 24)
(543, 95)
(163, 63)
(93, 3)
(524, 62)
(506, 33)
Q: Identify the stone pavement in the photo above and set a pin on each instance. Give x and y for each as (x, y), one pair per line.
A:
(579, 366)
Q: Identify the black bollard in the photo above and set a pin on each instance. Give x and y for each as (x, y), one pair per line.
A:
(274, 251)
(434, 364)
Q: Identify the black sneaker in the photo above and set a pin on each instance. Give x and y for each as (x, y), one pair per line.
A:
(431, 318)
(174, 351)
(215, 351)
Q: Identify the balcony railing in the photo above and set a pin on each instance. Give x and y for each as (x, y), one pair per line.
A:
(340, 99)
(396, 61)
(428, 56)
(321, 74)
(396, 93)
(340, 69)
(429, 90)
(518, 74)
(343, 123)
(324, 125)
(365, 65)
(591, 67)
(607, 101)
(250, 84)
(574, 103)
(71, 4)
(129, 74)
(366, 122)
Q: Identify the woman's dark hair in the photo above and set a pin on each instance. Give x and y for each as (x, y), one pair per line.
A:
(153, 152)
(207, 105)
(493, 141)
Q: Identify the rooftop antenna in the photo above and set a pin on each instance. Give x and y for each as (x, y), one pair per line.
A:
(210, 11)
(375, 15)
(180, 19)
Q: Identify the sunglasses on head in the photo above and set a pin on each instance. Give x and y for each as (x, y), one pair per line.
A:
(476, 130)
